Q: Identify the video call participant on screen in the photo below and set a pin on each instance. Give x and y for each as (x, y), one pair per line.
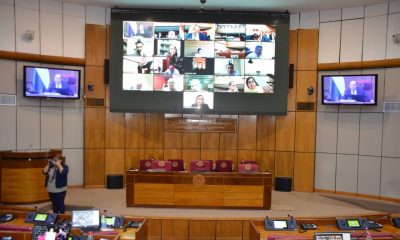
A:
(171, 70)
(199, 52)
(355, 92)
(139, 48)
(258, 34)
(257, 53)
(59, 85)
(199, 103)
(195, 34)
(172, 35)
(252, 86)
(144, 32)
(232, 87)
(56, 182)
(145, 66)
(195, 85)
(230, 68)
(170, 86)
(199, 69)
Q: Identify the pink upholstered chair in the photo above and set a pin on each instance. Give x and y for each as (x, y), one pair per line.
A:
(177, 165)
(248, 168)
(161, 165)
(201, 166)
(223, 166)
(145, 164)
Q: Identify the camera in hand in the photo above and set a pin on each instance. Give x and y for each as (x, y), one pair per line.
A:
(52, 162)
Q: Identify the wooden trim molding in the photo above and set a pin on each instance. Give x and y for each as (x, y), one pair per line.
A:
(29, 57)
(388, 63)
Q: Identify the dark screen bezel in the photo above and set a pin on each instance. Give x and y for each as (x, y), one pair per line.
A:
(349, 104)
(167, 102)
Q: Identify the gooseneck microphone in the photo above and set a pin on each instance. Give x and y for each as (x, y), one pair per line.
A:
(27, 149)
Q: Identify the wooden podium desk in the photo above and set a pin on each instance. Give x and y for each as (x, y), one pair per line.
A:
(257, 230)
(21, 177)
(198, 189)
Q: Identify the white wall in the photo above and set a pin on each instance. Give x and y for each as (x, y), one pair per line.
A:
(59, 31)
(357, 148)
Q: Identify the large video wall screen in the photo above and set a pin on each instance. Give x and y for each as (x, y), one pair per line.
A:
(225, 66)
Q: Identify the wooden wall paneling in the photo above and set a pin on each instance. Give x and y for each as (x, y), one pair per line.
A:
(229, 155)
(303, 179)
(246, 226)
(154, 227)
(94, 75)
(285, 128)
(40, 58)
(228, 141)
(135, 130)
(284, 163)
(115, 129)
(229, 229)
(155, 153)
(107, 98)
(265, 132)
(307, 49)
(202, 229)
(133, 156)
(191, 140)
(107, 42)
(305, 131)
(209, 140)
(172, 139)
(246, 155)
(293, 48)
(247, 132)
(172, 153)
(94, 168)
(94, 127)
(175, 229)
(306, 79)
(95, 44)
(154, 130)
(209, 154)
(266, 161)
(190, 154)
(114, 161)
(292, 94)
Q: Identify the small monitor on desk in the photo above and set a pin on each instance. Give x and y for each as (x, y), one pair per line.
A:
(86, 218)
(332, 236)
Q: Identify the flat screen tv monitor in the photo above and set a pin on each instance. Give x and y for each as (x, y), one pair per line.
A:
(86, 218)
(332, 236)
(191, 62)
(349, 89)
(44, 82)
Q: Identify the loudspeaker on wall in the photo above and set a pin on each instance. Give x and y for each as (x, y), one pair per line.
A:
(291, 75)
(106, 71)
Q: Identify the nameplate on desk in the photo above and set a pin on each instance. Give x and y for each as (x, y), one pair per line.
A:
(179, 124)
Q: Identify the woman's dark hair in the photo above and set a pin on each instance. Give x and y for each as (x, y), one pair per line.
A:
(247, 81)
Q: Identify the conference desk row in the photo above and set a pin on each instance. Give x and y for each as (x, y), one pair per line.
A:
(18, 229)
(198, 189)
(388, 231)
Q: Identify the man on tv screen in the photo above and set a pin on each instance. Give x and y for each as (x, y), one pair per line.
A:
(59, 85)
(354, 92)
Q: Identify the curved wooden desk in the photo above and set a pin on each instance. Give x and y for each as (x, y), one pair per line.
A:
(21, 178)
(198, 189)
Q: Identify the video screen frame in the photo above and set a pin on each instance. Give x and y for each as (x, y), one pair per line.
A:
(224, 103)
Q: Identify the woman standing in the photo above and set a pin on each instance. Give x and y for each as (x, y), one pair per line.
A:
(56, 172)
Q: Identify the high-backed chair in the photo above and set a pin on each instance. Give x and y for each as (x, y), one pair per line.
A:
(248, 168)
(161, 165)
(249, 161)
(177, 165)
(223, 166)
(145, 164)
(201, 166)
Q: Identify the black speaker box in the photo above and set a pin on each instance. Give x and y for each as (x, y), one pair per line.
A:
(115, 181)
(106, 71)
(283, 184)
(291, 75)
